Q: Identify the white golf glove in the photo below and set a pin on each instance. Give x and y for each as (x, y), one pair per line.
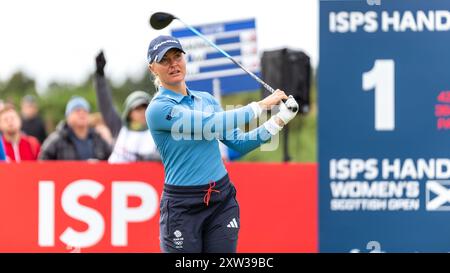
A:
(285, 114)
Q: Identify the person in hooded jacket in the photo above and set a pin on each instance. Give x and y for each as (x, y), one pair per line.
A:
(133, 141)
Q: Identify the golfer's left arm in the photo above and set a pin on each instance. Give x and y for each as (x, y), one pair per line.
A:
(246, 142)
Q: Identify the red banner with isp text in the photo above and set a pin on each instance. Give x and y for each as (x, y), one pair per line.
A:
(100, 207)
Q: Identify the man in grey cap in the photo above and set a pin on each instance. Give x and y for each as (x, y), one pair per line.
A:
(73, 138)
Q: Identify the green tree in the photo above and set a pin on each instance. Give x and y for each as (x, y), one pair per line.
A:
(17, 86)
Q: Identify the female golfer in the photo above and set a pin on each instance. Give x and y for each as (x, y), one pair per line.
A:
(199, 211)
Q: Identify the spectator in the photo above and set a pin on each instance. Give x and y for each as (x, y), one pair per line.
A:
(133, 141)
(32, 123)
(18, 146)
(73, 138)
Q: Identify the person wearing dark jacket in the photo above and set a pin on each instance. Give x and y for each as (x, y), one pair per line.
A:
(32, 123)
(73, 138)
(133, 141)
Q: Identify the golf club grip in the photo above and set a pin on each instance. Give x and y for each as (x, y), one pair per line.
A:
(268, 87)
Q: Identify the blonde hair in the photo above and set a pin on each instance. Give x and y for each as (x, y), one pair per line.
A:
(156, 80)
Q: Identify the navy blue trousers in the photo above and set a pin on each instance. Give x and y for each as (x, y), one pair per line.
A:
(199, 219)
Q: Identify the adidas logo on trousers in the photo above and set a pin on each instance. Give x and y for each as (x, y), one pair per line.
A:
(233, 224)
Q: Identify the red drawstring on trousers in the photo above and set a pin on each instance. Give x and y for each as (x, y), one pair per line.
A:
(209, 191)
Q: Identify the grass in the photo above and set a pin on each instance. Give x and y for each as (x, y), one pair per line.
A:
(302, 132)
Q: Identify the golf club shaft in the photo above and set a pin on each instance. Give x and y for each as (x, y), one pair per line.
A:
(266, 86)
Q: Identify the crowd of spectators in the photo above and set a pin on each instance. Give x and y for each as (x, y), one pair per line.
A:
(105, 135)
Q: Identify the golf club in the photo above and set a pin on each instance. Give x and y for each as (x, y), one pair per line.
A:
(160, 20)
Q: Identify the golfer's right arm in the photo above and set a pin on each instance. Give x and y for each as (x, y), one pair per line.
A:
(165, 116)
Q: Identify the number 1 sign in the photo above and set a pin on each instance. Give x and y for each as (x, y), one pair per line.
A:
(382, 78)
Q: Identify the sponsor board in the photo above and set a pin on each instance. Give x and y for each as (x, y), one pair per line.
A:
(384, 164)
(80, 207)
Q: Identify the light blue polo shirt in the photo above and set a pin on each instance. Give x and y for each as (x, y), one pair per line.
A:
(186, 130)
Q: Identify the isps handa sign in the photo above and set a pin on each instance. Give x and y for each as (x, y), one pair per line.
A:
(384, 130)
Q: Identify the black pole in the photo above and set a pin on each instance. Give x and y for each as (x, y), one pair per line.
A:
(285, 78)
(286, 157)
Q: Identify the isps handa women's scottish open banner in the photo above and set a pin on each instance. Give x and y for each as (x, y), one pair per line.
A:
(384, 126)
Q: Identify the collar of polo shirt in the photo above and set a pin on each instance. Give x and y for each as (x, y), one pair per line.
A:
(174, 95)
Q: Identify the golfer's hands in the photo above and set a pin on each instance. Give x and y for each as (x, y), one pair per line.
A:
(272, 99)
(287, 112)
(100, 63)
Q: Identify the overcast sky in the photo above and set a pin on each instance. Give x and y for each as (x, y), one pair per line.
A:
(58, 39)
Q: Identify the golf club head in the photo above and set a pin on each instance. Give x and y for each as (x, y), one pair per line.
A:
(160, 20)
